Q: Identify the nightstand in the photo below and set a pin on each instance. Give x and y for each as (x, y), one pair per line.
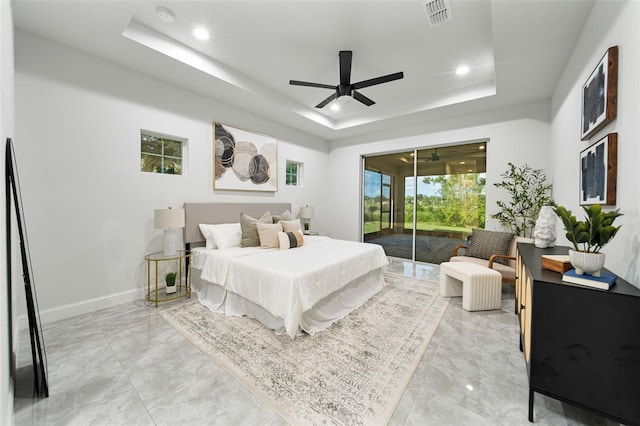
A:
(182, 290)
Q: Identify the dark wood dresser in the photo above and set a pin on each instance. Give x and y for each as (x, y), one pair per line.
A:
(581, 345)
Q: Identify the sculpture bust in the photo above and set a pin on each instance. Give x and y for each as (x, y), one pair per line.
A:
(545, 231)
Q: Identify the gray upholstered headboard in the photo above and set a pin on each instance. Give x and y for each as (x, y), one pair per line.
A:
(197, 213)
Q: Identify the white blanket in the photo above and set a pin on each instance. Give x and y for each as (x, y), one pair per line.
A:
(289, 282)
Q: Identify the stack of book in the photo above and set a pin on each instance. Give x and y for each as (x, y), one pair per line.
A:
(603, 282)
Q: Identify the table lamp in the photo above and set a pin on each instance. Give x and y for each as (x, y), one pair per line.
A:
(168, 219)
(306, 214)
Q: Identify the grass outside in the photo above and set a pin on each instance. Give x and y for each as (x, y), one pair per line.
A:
(370, 227)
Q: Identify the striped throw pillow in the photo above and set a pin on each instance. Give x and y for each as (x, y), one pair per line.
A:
(289, 240)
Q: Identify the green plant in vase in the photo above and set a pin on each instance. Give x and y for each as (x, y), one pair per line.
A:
(170, 280)
(588, 236)
(528, 191)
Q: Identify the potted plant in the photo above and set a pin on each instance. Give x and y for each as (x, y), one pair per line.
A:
(529, 191)
(170, 280)
(588, 236)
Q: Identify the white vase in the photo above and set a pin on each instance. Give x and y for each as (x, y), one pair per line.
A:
(171, 289)
(586, 263)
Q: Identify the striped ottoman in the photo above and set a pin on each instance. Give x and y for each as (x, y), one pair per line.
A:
(479, 286)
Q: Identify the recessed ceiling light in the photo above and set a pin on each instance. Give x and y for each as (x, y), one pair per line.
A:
(462, 70)
(201, 34)
(462, 162)
(335, 107)
(165, 14)
(481, 147)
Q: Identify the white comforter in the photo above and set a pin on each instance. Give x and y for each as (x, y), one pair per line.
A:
(289, 282)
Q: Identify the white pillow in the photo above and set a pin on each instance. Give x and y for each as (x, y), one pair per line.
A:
(204, 228)
(268, 233)
(291, 225)
(222, 235)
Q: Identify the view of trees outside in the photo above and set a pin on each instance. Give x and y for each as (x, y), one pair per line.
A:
(160, 155)
(453, 202)
(448, 202)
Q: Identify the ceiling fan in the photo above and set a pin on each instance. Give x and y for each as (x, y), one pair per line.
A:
(346, 88)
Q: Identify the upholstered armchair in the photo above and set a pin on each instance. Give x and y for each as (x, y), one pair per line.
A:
(493, 249)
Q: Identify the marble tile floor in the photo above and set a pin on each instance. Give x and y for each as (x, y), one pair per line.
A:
(126, 366)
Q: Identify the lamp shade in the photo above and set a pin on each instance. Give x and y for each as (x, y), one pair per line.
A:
(306, 212)
(168, 218)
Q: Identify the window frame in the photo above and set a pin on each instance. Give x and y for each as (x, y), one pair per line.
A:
(164, 137)
(298, 173)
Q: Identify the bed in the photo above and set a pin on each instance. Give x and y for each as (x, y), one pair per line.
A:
(295, 291)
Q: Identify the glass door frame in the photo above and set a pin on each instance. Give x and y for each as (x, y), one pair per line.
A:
(389, 223)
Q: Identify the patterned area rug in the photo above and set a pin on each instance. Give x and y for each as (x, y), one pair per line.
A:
(353, 373)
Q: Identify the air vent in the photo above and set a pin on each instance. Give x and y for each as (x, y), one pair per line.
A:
(438, 11)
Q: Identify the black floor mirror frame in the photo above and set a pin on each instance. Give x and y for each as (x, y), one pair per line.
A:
(14, 203)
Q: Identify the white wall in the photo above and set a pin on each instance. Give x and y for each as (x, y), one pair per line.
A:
(89, 209)
(518, 134)
(6, 130)
(610, 24)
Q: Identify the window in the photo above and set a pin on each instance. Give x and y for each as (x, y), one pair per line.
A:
(293, 173)
(160, 154)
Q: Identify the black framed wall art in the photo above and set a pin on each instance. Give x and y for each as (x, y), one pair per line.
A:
(598, 172)
(599, 95)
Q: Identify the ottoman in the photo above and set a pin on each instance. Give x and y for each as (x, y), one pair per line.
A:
(479, 286)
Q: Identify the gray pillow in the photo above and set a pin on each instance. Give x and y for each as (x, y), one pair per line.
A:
(286, 215)
(248, 224)
(486, 243)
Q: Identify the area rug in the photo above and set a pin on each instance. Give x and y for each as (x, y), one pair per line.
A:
(353, 373)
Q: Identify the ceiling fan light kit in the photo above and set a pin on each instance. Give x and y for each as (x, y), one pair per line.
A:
(345, 87)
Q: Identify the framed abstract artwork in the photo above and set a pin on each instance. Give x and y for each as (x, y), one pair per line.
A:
(598, 172)
(243, 161)
(599, 95)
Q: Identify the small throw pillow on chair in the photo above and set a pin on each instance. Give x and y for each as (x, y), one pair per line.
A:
(486, 243)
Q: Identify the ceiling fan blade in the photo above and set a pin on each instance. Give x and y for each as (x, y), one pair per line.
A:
(345, 66)
(377, 80)
(362, 98)
(308, 84)
(326, 101)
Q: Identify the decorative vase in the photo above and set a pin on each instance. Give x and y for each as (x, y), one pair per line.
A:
(170, 280)
(586, 263)
(545, 230)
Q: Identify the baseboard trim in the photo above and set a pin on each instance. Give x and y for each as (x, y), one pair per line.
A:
(83, 307)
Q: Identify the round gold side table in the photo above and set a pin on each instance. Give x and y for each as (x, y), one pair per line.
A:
(155, 296)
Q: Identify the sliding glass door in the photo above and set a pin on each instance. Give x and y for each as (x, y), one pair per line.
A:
(419, 204)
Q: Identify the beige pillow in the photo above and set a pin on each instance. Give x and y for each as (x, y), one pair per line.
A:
(291, 225)
(268, 233)
(250, 237)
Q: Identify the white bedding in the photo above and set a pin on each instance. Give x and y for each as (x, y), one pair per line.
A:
(288, 283)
